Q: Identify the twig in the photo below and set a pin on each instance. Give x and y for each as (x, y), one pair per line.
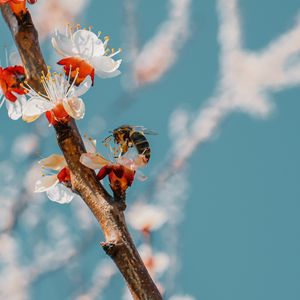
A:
(119, 244)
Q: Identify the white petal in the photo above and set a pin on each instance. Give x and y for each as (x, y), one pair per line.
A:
(108, 75)
(15, 109)
(36, 106)
(106, 67)
(127, 162)
(60, 194)
(53, 162)
(30, 119)
(93, 160)
(63, 45)
(90, 145)
(74, 107)
(45, 183)
(88, 44)
(82, 88)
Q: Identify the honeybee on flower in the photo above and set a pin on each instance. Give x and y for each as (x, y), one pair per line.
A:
(12, 92)
(83, 49)
(128, 136)
(56, 185)
(18, 6)
(121, 170)
(60, 102)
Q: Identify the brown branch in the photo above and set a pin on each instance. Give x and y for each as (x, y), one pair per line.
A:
(119, 244)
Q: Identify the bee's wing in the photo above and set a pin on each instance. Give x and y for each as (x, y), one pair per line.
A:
(93, 160)
(144, 130)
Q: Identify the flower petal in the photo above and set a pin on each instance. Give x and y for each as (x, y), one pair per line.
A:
(90, 145)
(15, 109)
(106, 67)
(53, 162)
(93, 160)
(63, 44)
(45, 183)
(82, 88)
(88, 44)
(60, 194)
(35, 107)
(74, 107)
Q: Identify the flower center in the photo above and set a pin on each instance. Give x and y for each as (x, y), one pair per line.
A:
(64, 175)
(57, 114)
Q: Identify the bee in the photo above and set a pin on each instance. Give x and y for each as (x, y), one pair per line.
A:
(127, 136)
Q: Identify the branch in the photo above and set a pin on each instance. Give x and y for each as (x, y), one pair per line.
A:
(119, 244)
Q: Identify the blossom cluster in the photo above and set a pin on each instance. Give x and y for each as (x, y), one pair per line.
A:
(56, 180)
(84, 55)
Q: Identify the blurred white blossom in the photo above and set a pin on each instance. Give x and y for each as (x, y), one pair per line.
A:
(155, 262)
(25, 145)
(51, 14)
(146, 217)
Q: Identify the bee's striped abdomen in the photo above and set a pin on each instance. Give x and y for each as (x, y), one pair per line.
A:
(141, 144)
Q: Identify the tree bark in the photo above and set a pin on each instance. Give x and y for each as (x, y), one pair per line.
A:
(119, 244)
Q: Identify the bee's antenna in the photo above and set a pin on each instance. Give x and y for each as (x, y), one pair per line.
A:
(107, 138)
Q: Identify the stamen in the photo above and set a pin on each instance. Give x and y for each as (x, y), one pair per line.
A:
(113, 53)
(69, 75)
(73, 83)
(106, 39)
(45, 85)
(31, 91)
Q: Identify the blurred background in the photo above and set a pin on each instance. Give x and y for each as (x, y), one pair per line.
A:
(218, 217)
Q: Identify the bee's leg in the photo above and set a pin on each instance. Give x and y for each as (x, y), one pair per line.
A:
(124, 149)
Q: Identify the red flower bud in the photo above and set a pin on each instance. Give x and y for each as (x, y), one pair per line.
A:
(120, 177)
(77, 68)
(64, 175)
(11, 79)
